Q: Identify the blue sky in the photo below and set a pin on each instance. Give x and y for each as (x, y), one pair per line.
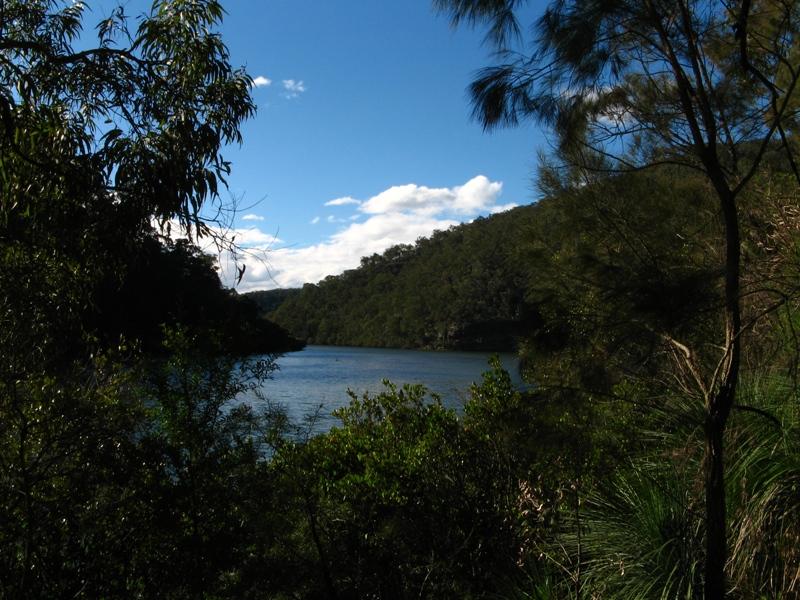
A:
(362, 106)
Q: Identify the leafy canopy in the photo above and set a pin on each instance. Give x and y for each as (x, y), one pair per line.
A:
(140, 118)
(625, 83)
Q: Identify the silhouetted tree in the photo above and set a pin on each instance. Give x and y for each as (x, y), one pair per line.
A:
(97, 140)
(704, 84)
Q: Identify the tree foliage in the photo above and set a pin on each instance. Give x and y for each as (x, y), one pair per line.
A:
(97, 142)
(703, 84)
(139, 119)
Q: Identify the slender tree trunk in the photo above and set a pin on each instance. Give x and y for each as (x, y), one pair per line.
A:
(327, 578)
(719, 405)
(28, 517)
(716, 539)
(578, 574)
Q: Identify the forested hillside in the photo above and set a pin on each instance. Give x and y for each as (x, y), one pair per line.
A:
(462, 288)
(481, 285)
(159, 284)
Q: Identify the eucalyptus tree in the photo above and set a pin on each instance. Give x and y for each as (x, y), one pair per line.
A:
(105, 127)
(145, 110)
(705, 84)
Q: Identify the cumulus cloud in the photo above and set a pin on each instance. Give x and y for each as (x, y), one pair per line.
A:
(342, 201)
(292, 267)
(477, 195)
(410, 197)
(252, 217)
(261, 81)
(503, 207)
(315, 220)
(398, 215)
(293, 88)
(253, 237)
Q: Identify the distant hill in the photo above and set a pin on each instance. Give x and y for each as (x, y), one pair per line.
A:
(530, 277)
(269, 300)
(173, 284)
(459, 289)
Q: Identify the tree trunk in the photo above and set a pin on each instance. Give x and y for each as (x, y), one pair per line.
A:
(719, 404)
(327, 578)
(716, 539)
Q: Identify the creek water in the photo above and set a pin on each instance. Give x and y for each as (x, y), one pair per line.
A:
(314, 381)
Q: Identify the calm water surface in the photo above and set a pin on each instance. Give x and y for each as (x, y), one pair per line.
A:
(317, 378)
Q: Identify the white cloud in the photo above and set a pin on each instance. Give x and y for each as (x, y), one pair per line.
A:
(293, 88)
(253, 237)
(342, 201)
(503, 207)
(398, 215)
(292, 267)
(410, 197)
(261, 81)
(478, 194)
(252, 217)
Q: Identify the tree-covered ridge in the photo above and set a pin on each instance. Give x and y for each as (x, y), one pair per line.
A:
(166, 284)
(458, 289)
(269, 300)
(484, 284)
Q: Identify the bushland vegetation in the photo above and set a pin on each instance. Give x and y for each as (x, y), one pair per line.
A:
(128, 470)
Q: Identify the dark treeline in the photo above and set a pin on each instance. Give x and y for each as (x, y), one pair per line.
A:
(158, 284)
(129, 470)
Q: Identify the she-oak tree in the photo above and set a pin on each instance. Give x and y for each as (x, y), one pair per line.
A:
(627, 84)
